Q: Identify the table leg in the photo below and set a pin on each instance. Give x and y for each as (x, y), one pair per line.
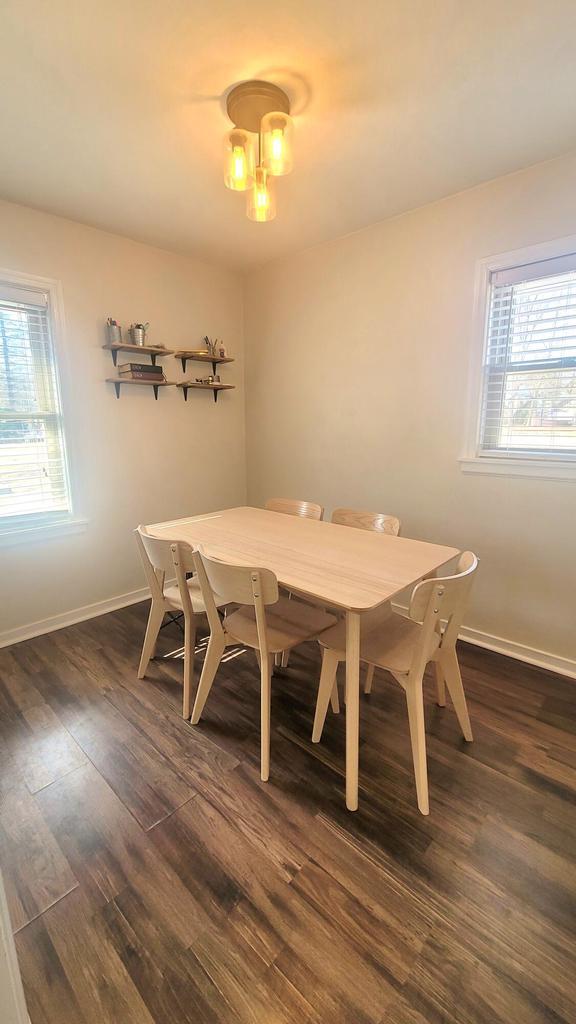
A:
(352, 707)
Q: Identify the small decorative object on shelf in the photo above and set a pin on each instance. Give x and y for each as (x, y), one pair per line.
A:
(113, 331)
(222, 350)
(138, 333)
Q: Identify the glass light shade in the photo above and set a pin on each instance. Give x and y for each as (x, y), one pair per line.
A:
(277, 133)
(261, 205)
(239, 160)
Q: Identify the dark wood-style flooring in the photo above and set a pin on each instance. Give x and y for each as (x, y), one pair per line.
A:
(153, 878)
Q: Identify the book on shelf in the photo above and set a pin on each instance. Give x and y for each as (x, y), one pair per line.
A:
(139, 368)
(156, 378)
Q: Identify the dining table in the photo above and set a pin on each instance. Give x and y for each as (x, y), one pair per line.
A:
(352, 570)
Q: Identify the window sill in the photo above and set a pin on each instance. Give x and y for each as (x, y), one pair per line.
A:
(40, 532)
(552, 469)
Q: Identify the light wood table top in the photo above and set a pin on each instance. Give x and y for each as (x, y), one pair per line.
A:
(352, 569)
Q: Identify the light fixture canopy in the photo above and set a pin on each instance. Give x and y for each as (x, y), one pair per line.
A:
(260, 112)
(248, 102)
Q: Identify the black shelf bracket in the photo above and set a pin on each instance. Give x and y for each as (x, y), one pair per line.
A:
(215, 392)
(114, 353)
(184, 358)
(118, 384)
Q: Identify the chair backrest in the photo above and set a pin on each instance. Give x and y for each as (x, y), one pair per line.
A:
(291, 507)
(231, 584)
(447, 594)
(240, 584)
(376, 521)
(156, 559)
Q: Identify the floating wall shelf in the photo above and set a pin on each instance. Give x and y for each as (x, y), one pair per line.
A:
(215, 388)
(151, 350)
(185, 354)
(118, 381)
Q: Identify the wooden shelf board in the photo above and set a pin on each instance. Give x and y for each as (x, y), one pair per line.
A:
(150, 383)
(215, 388)
(155, 384)
(121, 346)
(192, 355)
(206, 387)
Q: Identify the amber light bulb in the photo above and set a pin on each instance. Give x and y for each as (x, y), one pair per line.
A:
(238, 160)
(277, 143)
(261, 205)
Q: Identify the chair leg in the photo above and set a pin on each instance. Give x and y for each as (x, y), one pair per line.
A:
(214, 652)
(453, 678)
(266, 669)
(415, 702)
(330, 661)
(334, 702)
(189, 646)
(440, 685)
(284, 659)
(152, 629)
(369, 678)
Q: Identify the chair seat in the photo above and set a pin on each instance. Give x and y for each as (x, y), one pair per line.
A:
(288, 623)
(390, 646)
(173, 599)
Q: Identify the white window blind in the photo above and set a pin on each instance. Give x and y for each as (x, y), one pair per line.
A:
(529, 384)
(33, 472)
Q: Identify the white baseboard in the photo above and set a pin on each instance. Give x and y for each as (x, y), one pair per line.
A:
(498, 644)
(531, 655)
(88, 611)
(512, 649)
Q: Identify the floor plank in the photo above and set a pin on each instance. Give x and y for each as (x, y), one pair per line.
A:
(36, 871)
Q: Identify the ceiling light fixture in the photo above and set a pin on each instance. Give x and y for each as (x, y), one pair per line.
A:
(259, 147)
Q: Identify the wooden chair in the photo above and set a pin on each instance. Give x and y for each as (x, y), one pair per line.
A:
(157, 560)
(265, 622)
(305, 509)
(403, 645)
(375, 521)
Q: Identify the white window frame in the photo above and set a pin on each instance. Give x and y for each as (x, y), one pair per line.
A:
(554, 467)
(23, 531)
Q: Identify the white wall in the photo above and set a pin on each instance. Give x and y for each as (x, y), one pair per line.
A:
(134, 460)
(357, 368)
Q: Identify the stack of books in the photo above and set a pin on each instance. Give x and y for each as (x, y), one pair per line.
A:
(141, 371)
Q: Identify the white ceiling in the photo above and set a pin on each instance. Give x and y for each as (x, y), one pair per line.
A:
(112, 113)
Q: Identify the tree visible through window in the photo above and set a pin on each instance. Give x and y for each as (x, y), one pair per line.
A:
(529, 387)
(33, 472)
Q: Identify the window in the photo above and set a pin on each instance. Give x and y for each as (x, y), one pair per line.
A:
(527, 384)
(34, 487)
